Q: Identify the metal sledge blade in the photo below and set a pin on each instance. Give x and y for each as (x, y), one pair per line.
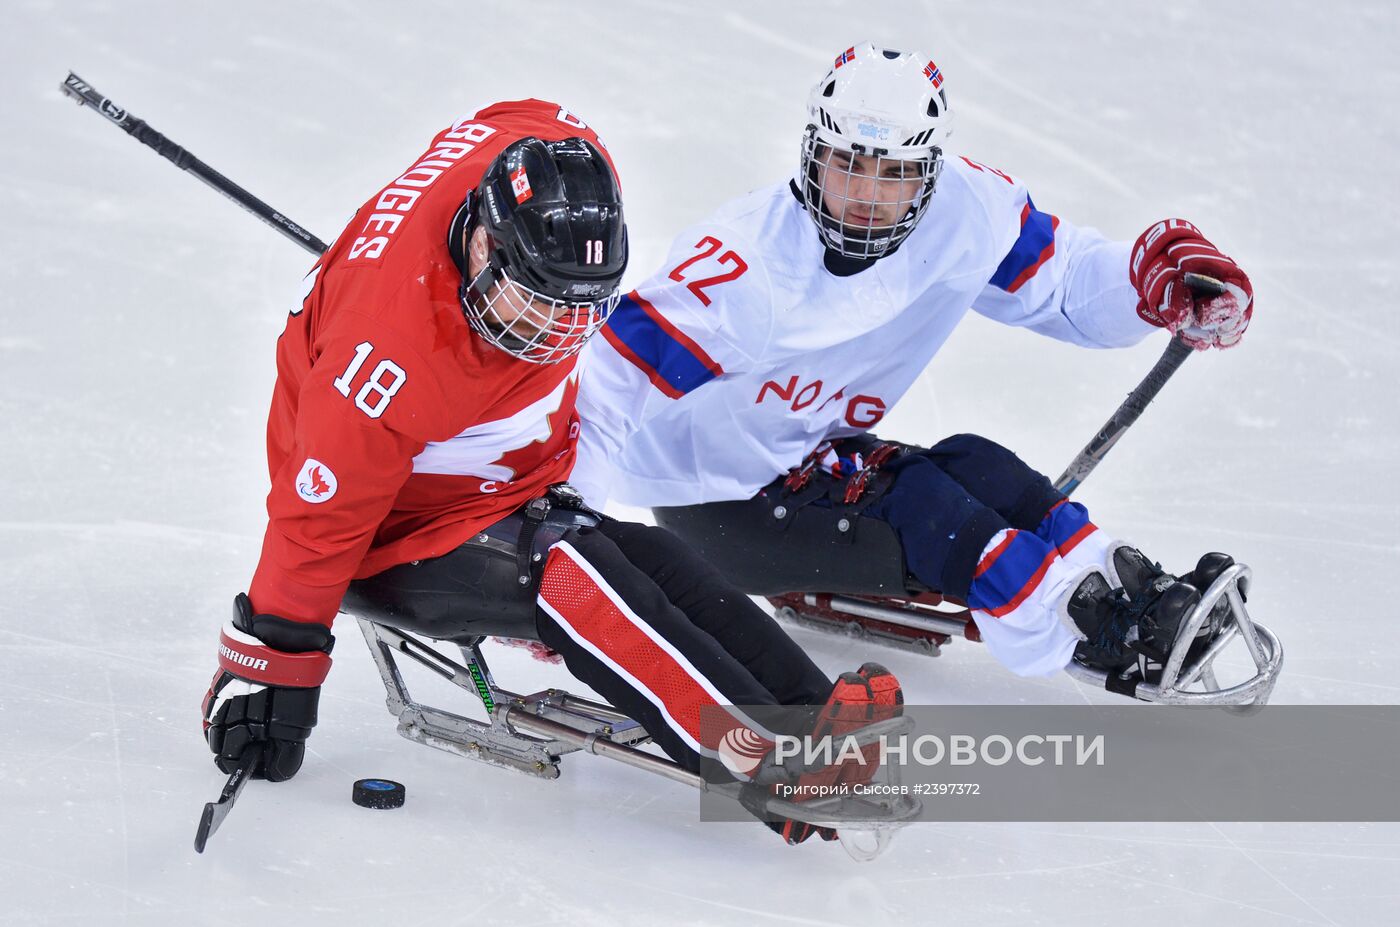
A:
(216, 811)
(531, 734)
(866, 844)
(526, 733)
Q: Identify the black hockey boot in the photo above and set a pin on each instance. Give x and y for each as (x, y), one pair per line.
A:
(1119, 626)
(1137, 574)
(1207, 571)
(1098, 611)
(1141, 577)
(1146, 583)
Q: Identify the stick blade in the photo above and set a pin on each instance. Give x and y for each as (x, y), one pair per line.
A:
(207, 826)
(216, 811)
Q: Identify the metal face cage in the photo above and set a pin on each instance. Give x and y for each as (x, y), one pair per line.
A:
(864, 201)
(527, 324)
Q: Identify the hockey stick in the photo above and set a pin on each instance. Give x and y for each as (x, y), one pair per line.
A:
(1127, 413)
(83, 92)
(216, 811)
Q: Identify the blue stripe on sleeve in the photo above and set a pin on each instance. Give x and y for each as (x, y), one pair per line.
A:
(1037, 235)
(656, 348)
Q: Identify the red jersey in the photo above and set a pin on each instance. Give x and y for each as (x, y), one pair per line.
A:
(396, 433)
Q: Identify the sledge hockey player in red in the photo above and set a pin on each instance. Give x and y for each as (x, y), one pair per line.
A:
(424, 420)
(735, 390)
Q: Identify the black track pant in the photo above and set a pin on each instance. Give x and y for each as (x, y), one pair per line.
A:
(659, 633)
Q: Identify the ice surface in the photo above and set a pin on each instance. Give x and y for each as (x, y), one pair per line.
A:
(140, 311)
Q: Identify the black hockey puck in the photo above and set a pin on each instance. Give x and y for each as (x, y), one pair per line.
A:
(378, 793)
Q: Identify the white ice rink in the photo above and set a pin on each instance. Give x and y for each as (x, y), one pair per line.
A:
(140, 311)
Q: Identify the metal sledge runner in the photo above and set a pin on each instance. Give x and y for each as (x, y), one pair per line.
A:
(527, 733)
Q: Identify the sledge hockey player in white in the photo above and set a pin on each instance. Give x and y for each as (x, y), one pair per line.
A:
(735, 389)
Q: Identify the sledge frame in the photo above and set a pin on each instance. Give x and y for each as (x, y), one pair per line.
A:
(532, 733)
(512, 736)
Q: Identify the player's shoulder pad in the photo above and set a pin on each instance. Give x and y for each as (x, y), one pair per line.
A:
(386, 373)
(542, 118)
(714, 288)
(994, 188)
(992, 193)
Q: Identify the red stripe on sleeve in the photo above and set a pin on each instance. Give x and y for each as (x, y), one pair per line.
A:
(1074, 540)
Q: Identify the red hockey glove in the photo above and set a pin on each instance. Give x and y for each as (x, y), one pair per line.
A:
(1162, 257)
(265, 696)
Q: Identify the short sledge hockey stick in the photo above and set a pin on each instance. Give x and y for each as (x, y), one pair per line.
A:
(86, 95)
(1127, 413)
(216, 811)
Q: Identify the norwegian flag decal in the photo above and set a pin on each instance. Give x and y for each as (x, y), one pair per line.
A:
(847, 55)
(934, 75)
(520, 183)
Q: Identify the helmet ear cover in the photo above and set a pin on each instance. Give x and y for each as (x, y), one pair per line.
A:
(476, 304)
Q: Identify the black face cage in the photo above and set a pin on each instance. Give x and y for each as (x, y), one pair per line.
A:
(871, 192)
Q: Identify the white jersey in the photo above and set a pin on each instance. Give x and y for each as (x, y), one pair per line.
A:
(744, 352)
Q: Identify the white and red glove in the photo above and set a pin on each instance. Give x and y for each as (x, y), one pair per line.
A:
(1203, 318)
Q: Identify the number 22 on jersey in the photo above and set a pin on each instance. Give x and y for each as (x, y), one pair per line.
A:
(374, 396)
(709, 246)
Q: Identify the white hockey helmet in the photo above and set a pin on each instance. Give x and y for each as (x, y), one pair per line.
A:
(873, 148)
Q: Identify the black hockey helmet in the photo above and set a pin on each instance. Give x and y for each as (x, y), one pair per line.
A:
(552, 212)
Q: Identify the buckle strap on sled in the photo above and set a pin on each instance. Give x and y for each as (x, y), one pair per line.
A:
(877, 458)
(846, 489)
(873, 457)
(798, 477)
(533, 515)
(559, 496)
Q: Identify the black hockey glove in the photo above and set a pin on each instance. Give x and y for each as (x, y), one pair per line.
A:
(265, 692)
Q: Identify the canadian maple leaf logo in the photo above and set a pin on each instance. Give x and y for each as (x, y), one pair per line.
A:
(319, 487)
(555, 441)
(315, 482)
